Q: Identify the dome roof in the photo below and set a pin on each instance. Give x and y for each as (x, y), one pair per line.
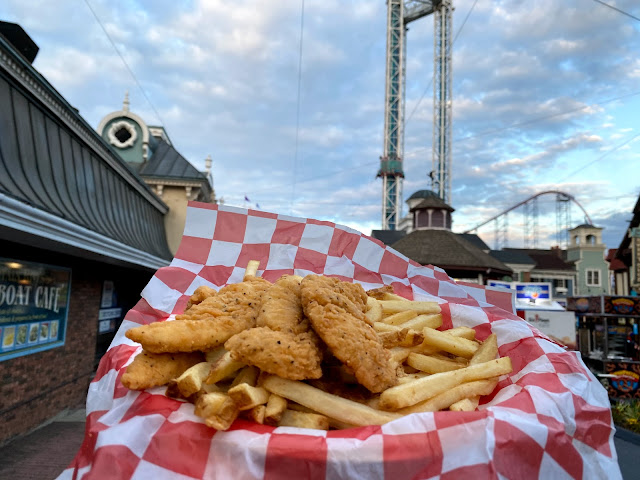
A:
(424, 194)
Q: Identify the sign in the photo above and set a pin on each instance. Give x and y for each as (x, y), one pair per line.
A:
(107, 318)
(623, 379)
(495, 283)
(34, 302)
(533, 292)
(559, 326)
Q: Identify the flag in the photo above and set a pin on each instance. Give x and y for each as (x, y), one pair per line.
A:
(257, 205)
(246, 199)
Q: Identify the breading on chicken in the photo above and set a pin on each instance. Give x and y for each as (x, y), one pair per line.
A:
(336, 311)
(208, 324)
(282, 308)
(201, 293)
(286, 354)
(154, 369)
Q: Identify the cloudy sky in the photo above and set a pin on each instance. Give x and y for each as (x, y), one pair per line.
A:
(546, 96)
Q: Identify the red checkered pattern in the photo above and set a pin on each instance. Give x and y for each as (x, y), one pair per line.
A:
(549, 419)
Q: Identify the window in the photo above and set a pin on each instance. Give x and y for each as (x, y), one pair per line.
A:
(593, 277)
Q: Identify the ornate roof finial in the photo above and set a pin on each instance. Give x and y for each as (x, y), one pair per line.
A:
(125, 103)
(207, 163)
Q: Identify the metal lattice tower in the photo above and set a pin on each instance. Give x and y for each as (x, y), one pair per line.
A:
(441, 177)
(531, 223)
(501, 231)
(563, 219)
(399, 14)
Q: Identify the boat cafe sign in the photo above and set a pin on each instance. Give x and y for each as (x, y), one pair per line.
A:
(34, 301)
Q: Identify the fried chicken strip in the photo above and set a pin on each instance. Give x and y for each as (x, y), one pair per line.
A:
(208, 324)
(202, 292)
(336, 311)
(286, 354)
(282, 308)
(152, 370)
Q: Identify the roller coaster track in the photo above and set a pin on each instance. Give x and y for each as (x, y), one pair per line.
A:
(531, 213)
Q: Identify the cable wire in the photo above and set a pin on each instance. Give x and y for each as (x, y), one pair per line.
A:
(297, 141)
(617, 10)
(95, 15)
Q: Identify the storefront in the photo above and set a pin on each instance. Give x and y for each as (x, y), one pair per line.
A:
(608, 340)
(80, 236)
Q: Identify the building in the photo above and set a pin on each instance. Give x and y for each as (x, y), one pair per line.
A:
(627, 275)
(430, 241)
(587, 252)
(80, 236)
(541, 266)
(149, 151)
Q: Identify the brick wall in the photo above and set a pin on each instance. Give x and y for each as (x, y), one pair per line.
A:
(36, 387)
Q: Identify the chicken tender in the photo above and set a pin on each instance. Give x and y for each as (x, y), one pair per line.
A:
(336, 311)
(282, 308)
(239, 301)
(208, 324)
(152, 370)
(201, 293)
(288, 355)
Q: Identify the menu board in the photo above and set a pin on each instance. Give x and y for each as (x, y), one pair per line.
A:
(34, 302)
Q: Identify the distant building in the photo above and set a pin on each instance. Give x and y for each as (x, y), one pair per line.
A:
(429, 240)
(627, 274)
(586, 252)
(541, 266)
(80, 236)
(149, 152)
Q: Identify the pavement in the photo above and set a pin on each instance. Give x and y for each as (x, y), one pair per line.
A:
(45, 452)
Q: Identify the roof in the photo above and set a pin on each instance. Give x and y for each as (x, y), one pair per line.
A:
(424, 194)
(543, 259)
(475, 240)
(432, 202)
(512, 256)
(388, 237)
(586, 225)
(167, 162)
(446, 249)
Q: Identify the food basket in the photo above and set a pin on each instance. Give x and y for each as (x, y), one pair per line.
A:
(550, 418)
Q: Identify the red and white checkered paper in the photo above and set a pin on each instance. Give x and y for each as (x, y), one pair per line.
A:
(549, 419)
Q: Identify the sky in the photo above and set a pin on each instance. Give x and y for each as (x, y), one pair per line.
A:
(288, 99)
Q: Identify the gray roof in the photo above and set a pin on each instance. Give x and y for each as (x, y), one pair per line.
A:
(446, 249)
(475, 240)
(512, 256)
(166, 162)
(424, 194)
(388, 237)
(432, 202)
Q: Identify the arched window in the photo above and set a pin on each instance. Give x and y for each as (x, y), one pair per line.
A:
(437, 219)
(591, 239)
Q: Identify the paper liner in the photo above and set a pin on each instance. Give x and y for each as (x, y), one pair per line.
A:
(549, 419)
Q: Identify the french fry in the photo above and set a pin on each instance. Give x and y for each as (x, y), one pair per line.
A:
(410, 377)
(252, 269)
(445, 399)
(411, 393)
(224, 368)
(443, 341)
(430, 364)
(217, 409)
(384, 327)
(463, 332)
(341, 409)
(421, 321)
(487, 351)
(190, 381)
(400, 317)
(393, 296)
(399, 354)
(401, 338)
(276, 405)
(245, 396)
(293, 418)
(248, 375)
(256, 414)
(465, 405)
(212, 356)
(396, 306)
(374, 310)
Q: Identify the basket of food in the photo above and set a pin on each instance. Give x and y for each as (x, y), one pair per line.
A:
(280, 347)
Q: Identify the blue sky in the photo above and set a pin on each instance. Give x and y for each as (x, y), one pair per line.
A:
(545, 95)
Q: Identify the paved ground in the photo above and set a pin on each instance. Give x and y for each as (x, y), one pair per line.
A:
(46, 452)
